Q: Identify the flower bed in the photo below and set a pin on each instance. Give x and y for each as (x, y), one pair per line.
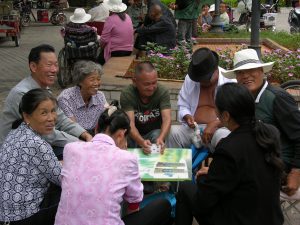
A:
(170, 65)
(173, 65)
(286, 66)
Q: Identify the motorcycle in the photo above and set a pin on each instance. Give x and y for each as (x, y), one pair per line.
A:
(57, 16)
(268, 15)
(294, 20)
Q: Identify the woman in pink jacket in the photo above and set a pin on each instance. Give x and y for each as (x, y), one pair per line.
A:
(117, 35)
(98, 176)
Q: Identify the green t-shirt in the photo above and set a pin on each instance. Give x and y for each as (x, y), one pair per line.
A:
(190, 12)
(147, 116)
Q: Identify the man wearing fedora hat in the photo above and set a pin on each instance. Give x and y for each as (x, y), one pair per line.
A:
(273, 105)
(196, 102)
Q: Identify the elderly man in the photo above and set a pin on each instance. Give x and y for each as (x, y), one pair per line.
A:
(196, 102)
(161, 31)
(147, 104)
(274, 106)
(43, 66)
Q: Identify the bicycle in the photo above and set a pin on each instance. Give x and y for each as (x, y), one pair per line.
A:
(293, 88)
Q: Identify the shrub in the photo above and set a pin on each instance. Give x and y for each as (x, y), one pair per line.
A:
(172, 64)
(286, 66)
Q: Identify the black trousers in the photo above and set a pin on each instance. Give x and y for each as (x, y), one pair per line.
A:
(48, 208)
(157, 212)
(186, 205)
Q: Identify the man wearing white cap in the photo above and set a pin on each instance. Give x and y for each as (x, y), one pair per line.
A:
(274, 106)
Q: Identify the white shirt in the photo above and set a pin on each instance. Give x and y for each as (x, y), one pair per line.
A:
(99, 13)
(188, 98)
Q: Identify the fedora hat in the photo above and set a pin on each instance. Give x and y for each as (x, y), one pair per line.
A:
(80, 16)
(204, 63)
(115, 6)
(244, 60)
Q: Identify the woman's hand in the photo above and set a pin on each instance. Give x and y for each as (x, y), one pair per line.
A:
(201, 172)
(86, 136)
(293, 182)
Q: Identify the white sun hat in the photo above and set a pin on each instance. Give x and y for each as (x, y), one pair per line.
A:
(212, 8)
(244, 60)
(115, 6)
(80, 16)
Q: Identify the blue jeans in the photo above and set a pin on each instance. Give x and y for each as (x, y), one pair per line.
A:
(185, 28)
(152, 136)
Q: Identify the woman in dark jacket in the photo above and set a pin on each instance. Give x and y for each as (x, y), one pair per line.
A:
(242, 184)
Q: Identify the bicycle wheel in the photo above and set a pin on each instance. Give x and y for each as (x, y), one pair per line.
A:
(293, 88)
(61, 18)
(64, 74)
(25, 20)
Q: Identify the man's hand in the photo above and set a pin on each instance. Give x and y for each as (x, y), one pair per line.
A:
(189, 119)
(146, 146)
(86, 136)
(160, 142)
(293, 182)
(201, 172)
(209, 132)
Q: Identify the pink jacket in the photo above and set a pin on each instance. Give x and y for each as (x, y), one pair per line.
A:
(96, 177)
(117, 35)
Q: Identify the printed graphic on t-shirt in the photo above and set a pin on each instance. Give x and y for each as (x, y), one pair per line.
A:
(148, 116)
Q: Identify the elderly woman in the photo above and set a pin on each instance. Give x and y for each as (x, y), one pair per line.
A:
(117, 34)
(98, 176)
(28, 165)
(76, 33)
(84, 103)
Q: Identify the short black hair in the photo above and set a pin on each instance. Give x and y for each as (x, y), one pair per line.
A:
(35, 53)
(145, 66)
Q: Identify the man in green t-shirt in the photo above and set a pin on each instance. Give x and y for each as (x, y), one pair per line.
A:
(147, 104)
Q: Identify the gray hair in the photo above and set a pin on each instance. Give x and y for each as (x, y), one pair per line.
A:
(84, 68)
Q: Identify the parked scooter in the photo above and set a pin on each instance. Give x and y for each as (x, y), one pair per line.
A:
(57, 17)
(294, 20)
(268, 15)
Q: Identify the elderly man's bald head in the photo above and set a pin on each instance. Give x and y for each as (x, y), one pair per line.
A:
(155, 12)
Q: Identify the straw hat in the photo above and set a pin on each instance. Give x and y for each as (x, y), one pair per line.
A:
(244, 60)
(203, 65)
(80, 16)
(115, 6)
